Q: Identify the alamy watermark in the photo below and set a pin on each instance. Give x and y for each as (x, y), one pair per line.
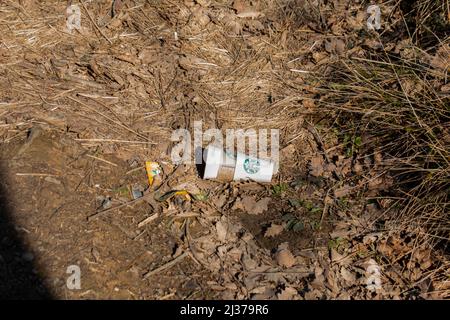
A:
(374, 20)
(373, 280)
(74, 280)
(73, 14)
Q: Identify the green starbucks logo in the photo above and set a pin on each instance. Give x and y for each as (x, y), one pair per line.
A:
(251, 166)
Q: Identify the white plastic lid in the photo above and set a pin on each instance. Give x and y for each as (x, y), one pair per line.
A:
(213, 160)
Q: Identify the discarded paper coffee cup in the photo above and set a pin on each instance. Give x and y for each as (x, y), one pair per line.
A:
(222, 165)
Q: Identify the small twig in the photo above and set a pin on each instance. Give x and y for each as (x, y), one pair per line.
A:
(115, 8)
(100, 159)
(114, 141)
(135, 169)
(167, 296)
(192, 251)
(169, 264)
(281, 272)
(93, 22)
(148, 220)
(299, 71)
(325, 209)
(131, 202)
(36, 175)
(97, 96)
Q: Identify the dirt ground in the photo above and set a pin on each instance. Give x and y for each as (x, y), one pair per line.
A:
(81, 112)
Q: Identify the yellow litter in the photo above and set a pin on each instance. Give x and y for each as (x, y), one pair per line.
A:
(153, 170)
(174, 193)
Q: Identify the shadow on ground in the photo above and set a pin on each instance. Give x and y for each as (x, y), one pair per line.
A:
(18, 276)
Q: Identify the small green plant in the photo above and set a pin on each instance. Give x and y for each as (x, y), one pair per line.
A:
(351, 144)
(315, 225)
(362, 254)
(295, 225)
(123, 192)
(308, 205)
(311, 207)
(201, 196)
(292, 223)
(337, 243)
(279, 189)
(296, 203)
(343, 203)
(298, 183)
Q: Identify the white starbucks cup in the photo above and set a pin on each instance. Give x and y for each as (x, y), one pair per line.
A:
(223, 166)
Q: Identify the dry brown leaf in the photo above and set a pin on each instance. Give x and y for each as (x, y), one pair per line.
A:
(253, 14)
(221, 229)
(203, 3)
(377, 157)
(309, 103)
(375, 184)
(320, 57)
(190, 187)
(264, 294)
(328, 200)
(341, 259)
(251, 206)
(373, 44)
(345, 167)
(441, 60)
(318, 282)
(371, 237)
(231, 23)
(343, 191)
(273, 230)
(357, 168)
(332, 283)
(313, 295)
(287, 294)
(445, 88)
(200, 16)
(348, 276)
(317, 166)
(357, 22)
(250, 187)
(341, 233)
(421, 254)
(336, 256)
(239, 6)
(284, 257)
(248, 262)
(220, 200)
(287, 152)
(336, 46)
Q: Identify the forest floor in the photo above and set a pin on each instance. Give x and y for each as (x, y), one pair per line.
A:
(81, 113)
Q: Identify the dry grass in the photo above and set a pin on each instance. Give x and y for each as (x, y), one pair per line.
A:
(401, 107)
(427, 21)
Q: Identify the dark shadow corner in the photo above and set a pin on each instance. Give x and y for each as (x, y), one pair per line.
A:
(18, 277)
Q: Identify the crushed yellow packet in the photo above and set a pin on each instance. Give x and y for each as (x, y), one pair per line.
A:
(184, 194)
(169, 195)
(153, 170)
